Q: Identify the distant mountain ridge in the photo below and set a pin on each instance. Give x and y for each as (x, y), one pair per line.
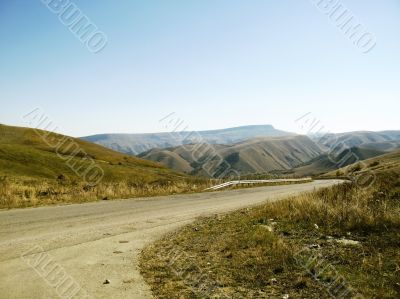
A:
(256, 155)
(347, 148)
(253, 149)
(135, 144)
(376, 140)
(294, 155)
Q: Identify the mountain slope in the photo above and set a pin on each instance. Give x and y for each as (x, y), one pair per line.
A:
(384, 140)
(257, 155)
(38, 167)
(387, 163)
(346, 148)
(23, 152)
(139, 143)
(326, 163)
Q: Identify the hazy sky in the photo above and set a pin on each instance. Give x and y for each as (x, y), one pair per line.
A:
(215, 63)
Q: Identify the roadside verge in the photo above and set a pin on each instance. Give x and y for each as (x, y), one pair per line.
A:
(340, 241)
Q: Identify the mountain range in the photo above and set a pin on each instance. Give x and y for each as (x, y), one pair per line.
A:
(252, 149)
(246, 150)
(135, 144)
(255, 155)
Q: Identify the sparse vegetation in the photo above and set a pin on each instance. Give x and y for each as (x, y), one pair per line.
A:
(252, 253)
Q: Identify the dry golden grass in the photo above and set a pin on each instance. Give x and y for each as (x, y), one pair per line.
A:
(19, 193)
(253, 253)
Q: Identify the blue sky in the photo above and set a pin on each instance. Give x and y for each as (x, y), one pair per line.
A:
(215, 63)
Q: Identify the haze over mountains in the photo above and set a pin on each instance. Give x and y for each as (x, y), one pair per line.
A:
(135, 144)
(253, 149)
(384, 140)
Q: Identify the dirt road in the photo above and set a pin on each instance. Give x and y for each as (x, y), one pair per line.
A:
(44, 249)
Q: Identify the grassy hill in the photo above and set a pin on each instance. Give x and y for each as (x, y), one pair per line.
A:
(324, 163)
(337, 148)
(39, 167)
(257, 155)
(389, 162)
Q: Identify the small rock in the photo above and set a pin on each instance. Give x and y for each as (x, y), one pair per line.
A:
(273, 280)
(330, 238)
(196, 229)
(106, 281)
(285, 296)
(348, 242)
(316, 226)
(314, 246)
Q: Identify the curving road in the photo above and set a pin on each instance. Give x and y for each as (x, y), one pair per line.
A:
(69, 251)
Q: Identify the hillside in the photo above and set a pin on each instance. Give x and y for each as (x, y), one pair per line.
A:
(326, 163)
(386, 163)
(384, 140)
(248, 151)
(46, 166)
(139, 143)
(257, 155)
(346, 148)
